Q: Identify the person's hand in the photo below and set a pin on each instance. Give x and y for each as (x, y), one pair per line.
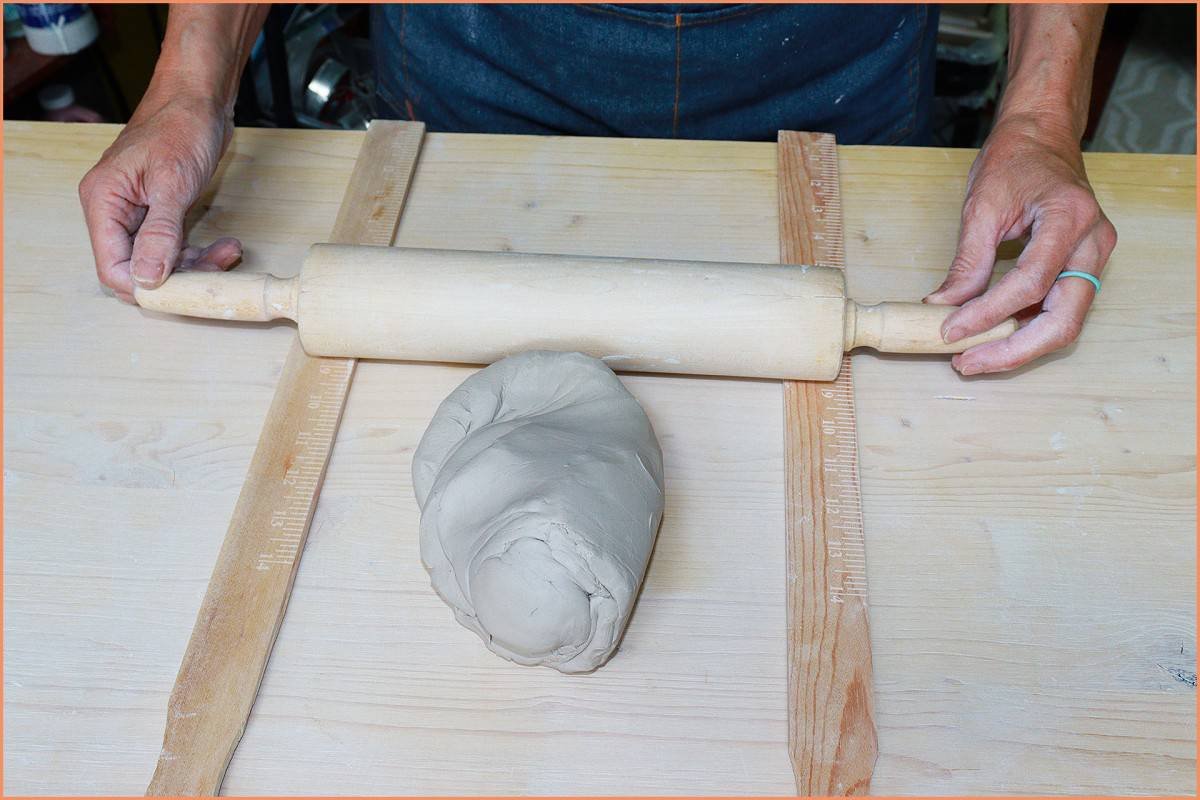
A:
(136, 197)
(1028, 179)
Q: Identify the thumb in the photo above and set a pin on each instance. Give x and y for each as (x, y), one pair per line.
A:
(158, 243)
(974, 259)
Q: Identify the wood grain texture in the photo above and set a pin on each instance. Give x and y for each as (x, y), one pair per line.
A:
(831, 726)
(248, 593)
(1032, 548)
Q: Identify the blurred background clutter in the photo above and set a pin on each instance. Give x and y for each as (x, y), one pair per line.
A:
(311, 68)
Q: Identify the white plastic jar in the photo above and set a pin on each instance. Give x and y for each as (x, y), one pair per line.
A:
(55, 29)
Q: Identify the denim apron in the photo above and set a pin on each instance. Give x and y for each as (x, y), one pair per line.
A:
(864, 73)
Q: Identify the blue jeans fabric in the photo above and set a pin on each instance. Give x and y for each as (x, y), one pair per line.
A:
(864, 73)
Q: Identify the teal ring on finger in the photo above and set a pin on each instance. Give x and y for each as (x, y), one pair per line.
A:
(1074, 273)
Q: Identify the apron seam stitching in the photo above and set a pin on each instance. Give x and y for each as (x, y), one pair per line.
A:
(678, 66)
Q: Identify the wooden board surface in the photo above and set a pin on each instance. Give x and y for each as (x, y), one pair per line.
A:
(1032, 537)
(831, 722)
(248, 592)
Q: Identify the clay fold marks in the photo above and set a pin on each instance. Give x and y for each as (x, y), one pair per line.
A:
(540, 483)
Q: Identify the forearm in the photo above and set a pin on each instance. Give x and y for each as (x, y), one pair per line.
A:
(1051, 52)
(205, 48)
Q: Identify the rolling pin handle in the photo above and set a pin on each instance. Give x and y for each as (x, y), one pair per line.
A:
(246, 296)
(910, 328)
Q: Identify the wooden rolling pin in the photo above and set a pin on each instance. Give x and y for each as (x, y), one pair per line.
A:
(647, 315)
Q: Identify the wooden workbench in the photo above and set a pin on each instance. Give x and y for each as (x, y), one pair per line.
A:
(1030, 537)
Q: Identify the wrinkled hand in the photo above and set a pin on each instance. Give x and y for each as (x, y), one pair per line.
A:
(136, 197)
(1028, 179)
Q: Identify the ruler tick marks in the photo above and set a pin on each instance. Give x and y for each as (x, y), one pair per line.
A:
(831, 734)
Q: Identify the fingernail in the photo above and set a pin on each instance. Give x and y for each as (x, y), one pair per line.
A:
(937, 292)
(147, 273)
(952, 334)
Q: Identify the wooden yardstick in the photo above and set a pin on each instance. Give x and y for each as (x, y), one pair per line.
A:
(831, 725)
(252, 580)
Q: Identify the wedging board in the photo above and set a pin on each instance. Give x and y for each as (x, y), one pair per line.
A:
(995, 507)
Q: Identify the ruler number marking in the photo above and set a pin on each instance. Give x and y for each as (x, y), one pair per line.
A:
(845, 549)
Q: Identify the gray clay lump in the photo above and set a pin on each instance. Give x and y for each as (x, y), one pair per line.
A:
(540, 483)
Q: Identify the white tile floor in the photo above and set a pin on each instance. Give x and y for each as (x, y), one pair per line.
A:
(1152, 107)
